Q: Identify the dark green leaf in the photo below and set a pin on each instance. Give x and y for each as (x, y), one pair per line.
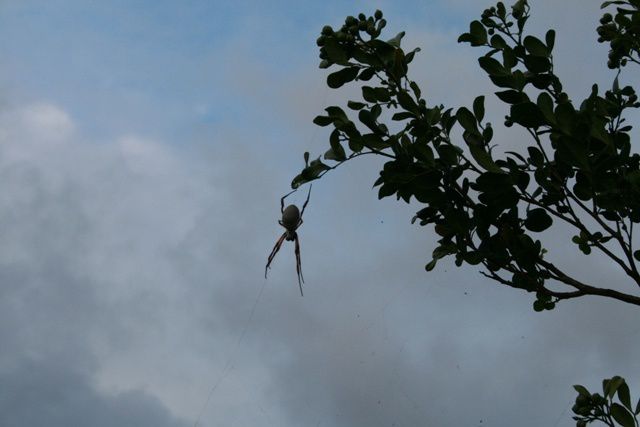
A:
(395, 42)
(582, 390)
(483, 158)
(386, 190)
(322, 120)
(465, 37)
(335, 52)
(622, 416)
(478, 108)
(478, 32)
(545, 103)
(527, 114)
(409, 56)
(339, 78)
(371, 140)
(416, 89)
(407, 102)
(336, 147)
(369, 94)
(337, 114)
(367, 119)
(367, 74)
(538, 220)
(355, 105)
(537, 64)
(509, 58)
(492, 66)
(535, 155)
(550, 38)
(636, 255)
(613, 385)
(535, 46)
(498, 42)
(512, 96)
(623, 395)
(382, 94)
(467, 120)
(403, 115)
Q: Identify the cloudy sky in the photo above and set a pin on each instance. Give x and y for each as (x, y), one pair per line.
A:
(144, 146)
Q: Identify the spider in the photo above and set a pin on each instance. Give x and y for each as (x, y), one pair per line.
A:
(291, 220)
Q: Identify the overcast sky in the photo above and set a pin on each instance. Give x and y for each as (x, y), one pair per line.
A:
(144, 147)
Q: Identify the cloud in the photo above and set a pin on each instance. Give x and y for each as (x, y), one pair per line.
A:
(132, 265)
(65, 274)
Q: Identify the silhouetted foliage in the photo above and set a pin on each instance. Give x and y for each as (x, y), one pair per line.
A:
(488, 208)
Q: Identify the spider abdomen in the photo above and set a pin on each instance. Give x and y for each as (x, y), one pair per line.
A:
(290, 217)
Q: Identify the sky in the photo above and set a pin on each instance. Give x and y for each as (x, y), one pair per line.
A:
(144, 148)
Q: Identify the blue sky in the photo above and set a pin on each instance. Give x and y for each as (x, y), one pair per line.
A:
(144, 147)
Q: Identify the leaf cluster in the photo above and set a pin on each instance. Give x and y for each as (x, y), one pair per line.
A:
(591, 407)
(621, 32)
(488, 209)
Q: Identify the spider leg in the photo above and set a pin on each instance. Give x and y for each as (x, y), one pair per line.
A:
(284, 197)
(273, 253)
(307, 201)
(299, 265)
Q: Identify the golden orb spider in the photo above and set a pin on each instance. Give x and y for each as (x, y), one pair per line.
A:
(291, 220)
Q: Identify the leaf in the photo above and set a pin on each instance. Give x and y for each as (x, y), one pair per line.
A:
(322, 120)
(612, 386)
(538, 220)
(416, 89)
(491, 66)
(483, 158)
(367, 74)
(386, 190)
(498, 42)
(512, 96)
(582, 391)
(335, 52)
(369, 94)
(545, 103)
(607, 3)
(336, 147)
(478, 32)
(535, 47)
(478, 108)
(403, 115)
(356, 105)
(367, 119)
(382, 94)
(550, 39)
(406, 101)
(536, 156)
(337, 114)
(395, 42)
(537, 64)
(622, 416)
(623, 395)
(467, 120)
(339, 78)
(527, 114)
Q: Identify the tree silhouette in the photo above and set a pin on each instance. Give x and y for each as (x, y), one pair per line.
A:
(488, 208)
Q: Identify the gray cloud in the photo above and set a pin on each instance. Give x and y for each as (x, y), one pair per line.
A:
(130, 270)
